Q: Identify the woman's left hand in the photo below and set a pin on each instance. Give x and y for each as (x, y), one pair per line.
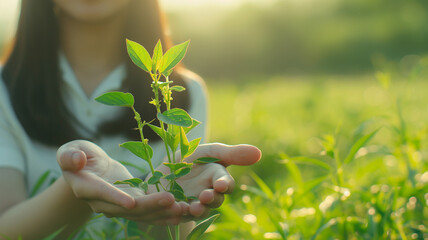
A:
(209, 182)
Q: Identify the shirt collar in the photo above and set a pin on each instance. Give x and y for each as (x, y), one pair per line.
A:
(112, 82)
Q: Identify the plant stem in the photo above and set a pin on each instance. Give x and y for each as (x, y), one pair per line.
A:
(140, 128)
(169, 233)
(155, 87)
(177, 232)
(166, 145)
(123, 226)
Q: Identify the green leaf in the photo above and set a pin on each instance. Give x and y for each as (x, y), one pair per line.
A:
(156, 129)
(176, 116)
(144, 186)
(179, 171)
(158, 174)
(155, 178)
(178, 192)
(167, 73)
(174, 130)
(177, 187)
(173, 56)
(157, 56)
(170, 177)
(192, 198)
(184, 144)
(179, 196)
(199, 230)
(40, 182)
(204, 160)
(182, 172)
(172, 141)
(120, 99)
(361, 142)
(139, 55)
(177, 88)
(175, 166)
(139, 149)
(192, 146)
(133, 182)
(194, 124)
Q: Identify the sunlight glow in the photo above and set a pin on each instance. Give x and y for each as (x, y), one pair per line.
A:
(8, 16)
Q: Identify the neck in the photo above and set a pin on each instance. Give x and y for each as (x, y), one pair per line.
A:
(92, 49)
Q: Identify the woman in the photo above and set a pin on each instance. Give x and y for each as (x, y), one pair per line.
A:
(67, 52)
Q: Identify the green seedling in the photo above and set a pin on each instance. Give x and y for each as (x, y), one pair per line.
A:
(174, 126)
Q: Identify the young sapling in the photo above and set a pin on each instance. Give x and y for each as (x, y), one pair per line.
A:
(174, 124)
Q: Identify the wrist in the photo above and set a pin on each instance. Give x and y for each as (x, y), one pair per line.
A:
(70, 198)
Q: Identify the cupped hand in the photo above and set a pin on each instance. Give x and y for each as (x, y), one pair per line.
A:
(209, 182)
(90, 172)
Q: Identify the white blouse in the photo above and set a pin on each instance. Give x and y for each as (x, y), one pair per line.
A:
(33, 159)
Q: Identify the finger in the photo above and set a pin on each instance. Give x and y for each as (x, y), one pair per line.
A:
(184, 208)
(71, 159)
(173, 211)
(91, 187)
(138, 213)
(197, 209)
(89, 148)
(155, 201)
(223, 182)
(242, 155)
(211, 198)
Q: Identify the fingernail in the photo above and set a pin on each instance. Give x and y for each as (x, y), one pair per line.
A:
(75, 158)
(164, 202)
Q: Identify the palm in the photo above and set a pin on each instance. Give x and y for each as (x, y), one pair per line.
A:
(200, 178)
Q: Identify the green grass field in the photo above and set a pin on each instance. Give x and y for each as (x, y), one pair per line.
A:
(343, 157)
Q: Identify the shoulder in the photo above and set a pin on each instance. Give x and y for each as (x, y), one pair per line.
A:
(7, 114)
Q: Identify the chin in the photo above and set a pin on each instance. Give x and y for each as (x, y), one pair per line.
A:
(91, 10)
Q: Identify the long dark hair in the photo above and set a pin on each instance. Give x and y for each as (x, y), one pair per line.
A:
(33, 77)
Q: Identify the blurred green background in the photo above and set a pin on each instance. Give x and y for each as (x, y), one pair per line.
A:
(311, 78)
(301, 36)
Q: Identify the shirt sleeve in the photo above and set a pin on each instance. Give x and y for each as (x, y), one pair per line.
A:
(198, 105)
(10, 152)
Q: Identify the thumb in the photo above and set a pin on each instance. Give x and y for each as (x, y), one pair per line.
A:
(241, 155)
(71, 159)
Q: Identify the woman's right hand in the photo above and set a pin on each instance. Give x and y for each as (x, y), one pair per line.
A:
(90, 172)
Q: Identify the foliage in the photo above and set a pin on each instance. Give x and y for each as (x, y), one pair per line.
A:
(366, 179)
(174, 124)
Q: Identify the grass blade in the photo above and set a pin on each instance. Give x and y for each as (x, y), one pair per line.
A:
(199, 230)
(263, 186)
(361, 142)
(40, 182)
